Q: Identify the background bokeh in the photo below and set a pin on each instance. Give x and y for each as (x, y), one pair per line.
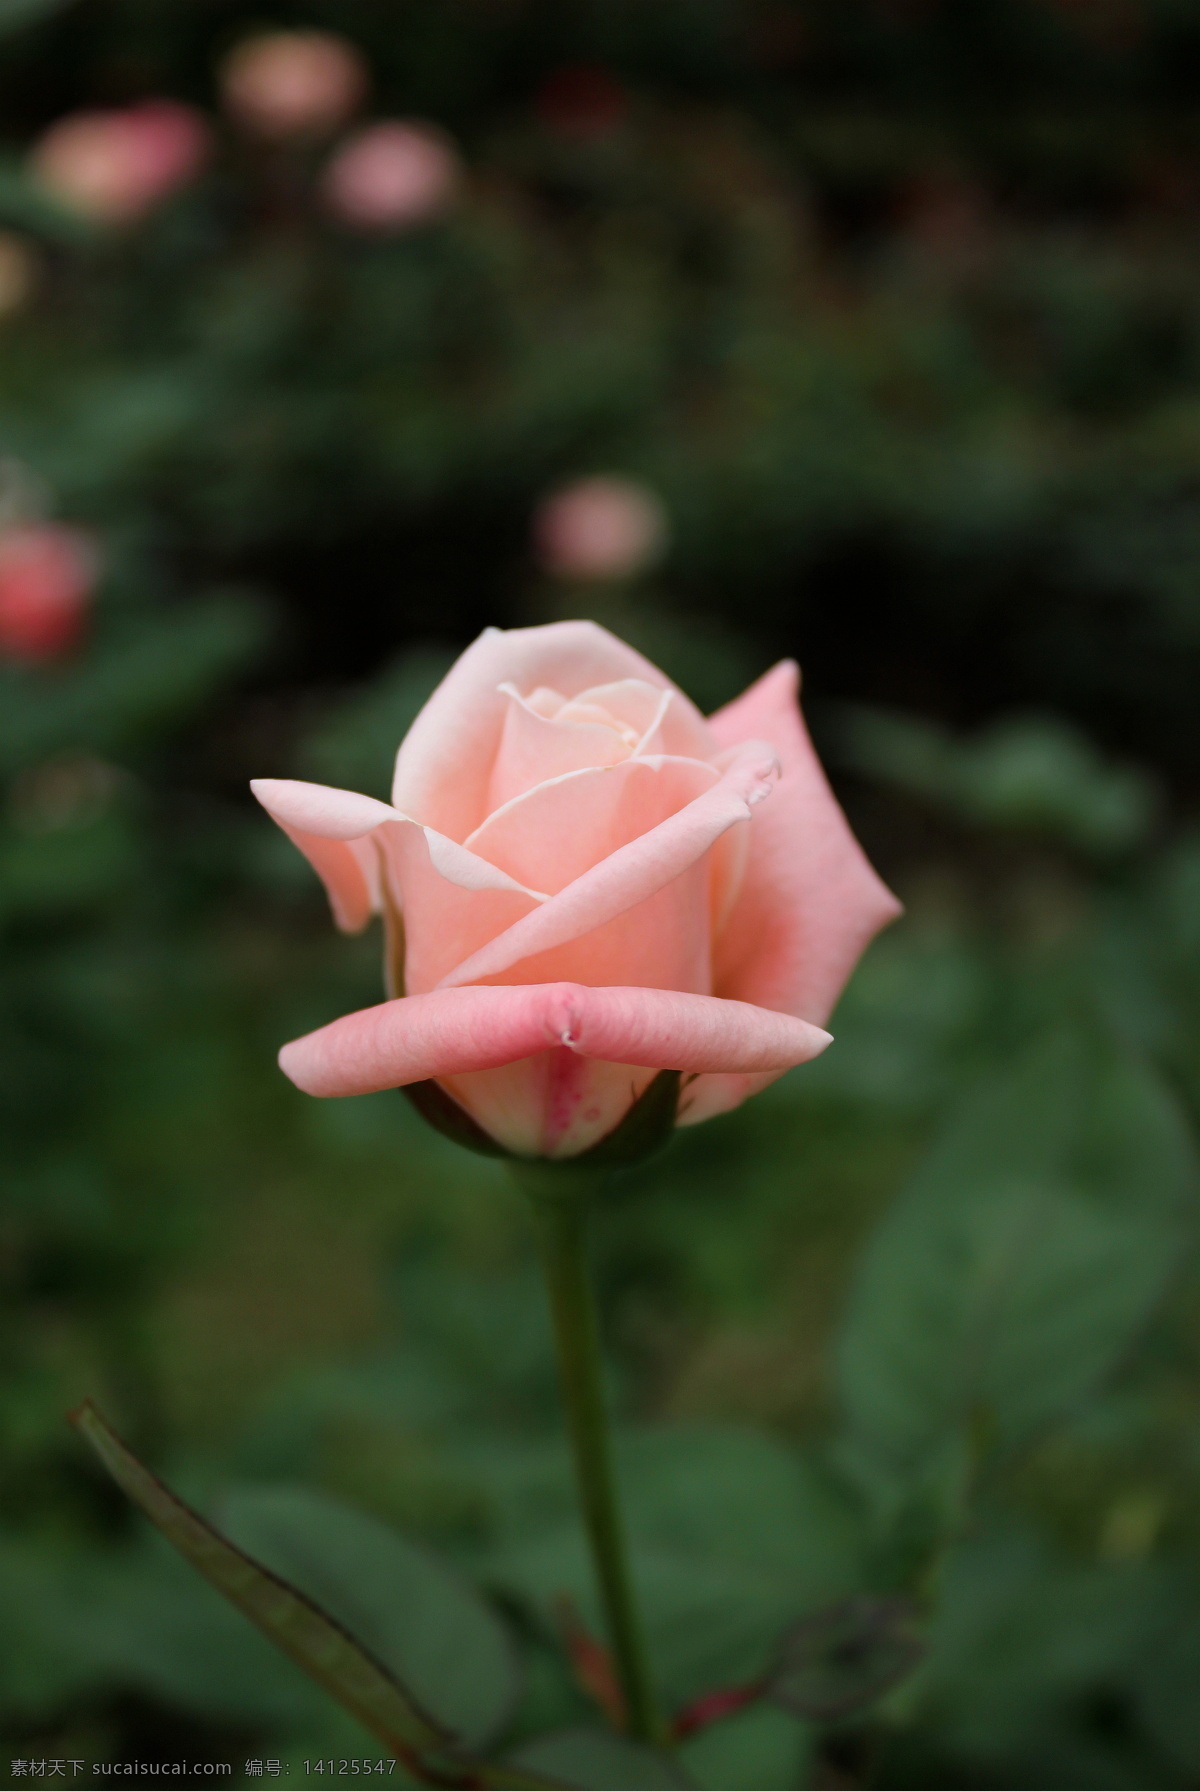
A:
(868, 334)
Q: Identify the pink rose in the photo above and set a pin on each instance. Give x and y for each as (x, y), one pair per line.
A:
(114, 166)
(600, 528)
(46, 576)
(282, 84)
(595, 884)
(391, 176)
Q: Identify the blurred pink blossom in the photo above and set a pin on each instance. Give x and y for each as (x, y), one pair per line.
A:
(281, 84)
(115, 166)
(47, 572)
(392, 175)
(600, 528)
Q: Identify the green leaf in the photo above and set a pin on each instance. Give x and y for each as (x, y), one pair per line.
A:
(759, 1749)
(731, 1533)
(1021, 1261)
(410, 1610)
(314, 1640)
(16, 13)
(1023, 1635)
(843, 1658)
(594, 1760)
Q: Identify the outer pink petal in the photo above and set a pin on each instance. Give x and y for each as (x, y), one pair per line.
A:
(454, 1031)
(343, 835)
(809, 903)
(329, 826)
(445, 762)
(630, 874)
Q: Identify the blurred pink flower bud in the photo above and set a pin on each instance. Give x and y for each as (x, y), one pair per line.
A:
(283, 84)
(114, 166)
(392, 175)
(47, 572)
(600, 528)
(18, 272)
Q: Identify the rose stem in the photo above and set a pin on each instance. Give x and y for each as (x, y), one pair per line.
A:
(560, 1203)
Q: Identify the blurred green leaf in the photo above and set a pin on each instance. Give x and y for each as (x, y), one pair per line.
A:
(1166, 1675)
(313, 1640)
(23, 202)
(732, 1534)
(128, 686)
(1039, 774)
(16, 13)
(1021, 1635)
(759, 1749)
(1021, 1261)
(408, 1609)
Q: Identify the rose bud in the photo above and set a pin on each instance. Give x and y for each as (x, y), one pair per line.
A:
(600, 529)
(283, 84)
(585, 884)
(47, 573)
(18, 272)
(115, 166)
(391, 176)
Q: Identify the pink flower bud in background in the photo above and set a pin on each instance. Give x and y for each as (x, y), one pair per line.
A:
(115, 166)
(391, 176)
(283, 84)
(47, 573)
(600, 528)
(18, 272)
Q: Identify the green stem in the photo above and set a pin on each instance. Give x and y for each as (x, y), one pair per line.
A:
(561, 1210)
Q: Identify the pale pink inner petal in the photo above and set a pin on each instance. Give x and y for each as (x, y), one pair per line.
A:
(555, 1104)
(444, 765)
(535, 747)
(545, 701)
(632, 872)
(552, 834)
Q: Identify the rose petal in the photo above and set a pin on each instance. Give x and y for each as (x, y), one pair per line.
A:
(534, 748)
(632, 873)
(453, 1031)
(809, 902)
(558, 830)
(444, 921)
(337, 831)
(445, 761)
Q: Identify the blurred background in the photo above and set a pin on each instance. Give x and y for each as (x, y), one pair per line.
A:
(868, 334)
